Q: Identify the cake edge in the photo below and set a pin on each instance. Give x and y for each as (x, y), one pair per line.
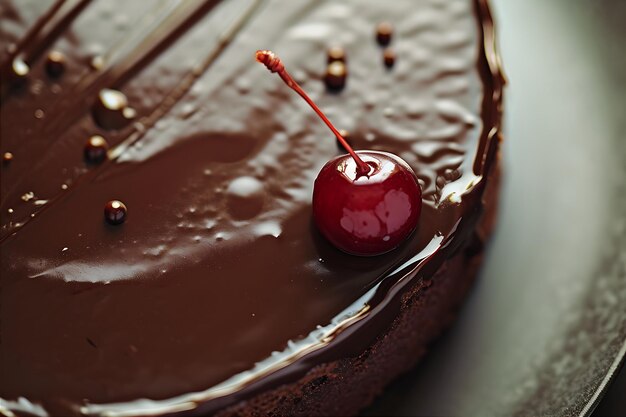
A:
(346, 386)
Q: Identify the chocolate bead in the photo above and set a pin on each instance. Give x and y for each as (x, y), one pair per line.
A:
(115, 212)
(389, 57)
(111, 109)
(336, 53)
(55, 64)
(95, 150)
(7, 157)
(15, 77)
(97, 62)
(384, 32)
(20, 68)
(336, 74)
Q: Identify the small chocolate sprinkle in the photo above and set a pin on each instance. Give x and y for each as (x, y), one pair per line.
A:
(97, 62)
(115, 212)
(336, 53)
(336, 74)
(20, 68)
(95, 150)
(16, 76)
(55, 64)
(7, 157)
(389, 57)
(111, 110)
(384, 32)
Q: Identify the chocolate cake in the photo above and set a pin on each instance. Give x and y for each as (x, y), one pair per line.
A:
(206, 288)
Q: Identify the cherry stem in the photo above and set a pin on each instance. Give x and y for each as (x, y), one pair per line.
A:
(274, 64)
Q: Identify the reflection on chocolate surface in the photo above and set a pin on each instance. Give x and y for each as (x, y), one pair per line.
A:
(218, 266)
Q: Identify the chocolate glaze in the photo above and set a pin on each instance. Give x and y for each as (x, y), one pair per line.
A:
(180, 308)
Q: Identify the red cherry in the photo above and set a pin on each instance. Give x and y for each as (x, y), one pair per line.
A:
(365, 203)
(368, 214)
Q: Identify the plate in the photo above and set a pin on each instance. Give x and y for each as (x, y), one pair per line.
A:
(544, 330)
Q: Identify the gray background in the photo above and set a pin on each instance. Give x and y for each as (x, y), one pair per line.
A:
(543, 330)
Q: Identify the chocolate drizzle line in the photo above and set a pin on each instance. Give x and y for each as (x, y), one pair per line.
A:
(371, 289)
(170, 25)
(169, 30)
(34, 31)
(57, 25)
(43, 34)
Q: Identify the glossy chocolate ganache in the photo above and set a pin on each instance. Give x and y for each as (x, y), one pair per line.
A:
(217, 286)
